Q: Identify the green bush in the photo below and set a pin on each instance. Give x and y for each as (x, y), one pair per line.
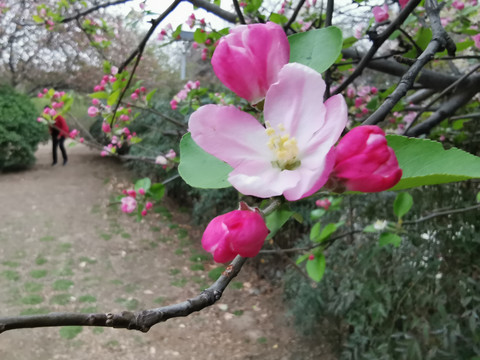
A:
(418, 301)
(20, 132)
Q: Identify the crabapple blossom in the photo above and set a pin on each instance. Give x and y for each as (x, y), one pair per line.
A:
(128, 204)
(134, 96)
(148, 205)
(141, 191)
(364, 162)
(311, 257)
(106, 127)
(144, 212)
(171, 154)
(293, 154)
(92, 111)
(380, 13)
(74, 133)
(161, 160)
(248, 60)
(323, 203)
(459, 5)
(239, 232)
(476, 39)
(95, 101)
(81, 140)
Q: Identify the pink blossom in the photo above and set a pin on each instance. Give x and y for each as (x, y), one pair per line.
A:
(74, 133)
(124, 117)
(403, 3)
(171, 154)
(52, 112)
(364, 162)
(81, 140)
(350, 93)
(195, 45)
(445, 21)
(358, 102)
(174, 104)
(114, 70)
(358, 31)
(323, 203)
(95, 101)
(161, 160)
(143, 89)
(142, 5)
(476, 39)
(106, 127)
(191, 21)
(126, 131)
(103, 153)
(141, 191)
(40, 95)
(204, 54)
(182, 94)
(292, 156)
(239, 232)
(380, 13)
(40, 119)
(45, 90)
(248, 60)
(373, 90)
(148, 205)
(144, 212)
(128, 204)
(441, 138)
(132, 193)
(458, 5)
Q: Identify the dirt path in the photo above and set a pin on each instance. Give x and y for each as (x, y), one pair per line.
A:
(62, 248)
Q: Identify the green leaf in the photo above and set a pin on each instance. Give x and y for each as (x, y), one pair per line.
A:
(425, 162)
(157, 191)
(200, 169)
(316, 267)
(252, 5)
(112, 99)
(277, 219)
(150, 94)
(38, 19)
(99, 95)
(317, 214)
(302, 259)
(402, 205)
(107, 67)
(389, 238)
(348, 42)
(369, 229)
(317, 49)
(315, 231)
(328, 230)
(278, 19)
(200, 36)
(144, 184)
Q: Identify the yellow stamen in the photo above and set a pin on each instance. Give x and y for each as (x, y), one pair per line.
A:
(283, 146)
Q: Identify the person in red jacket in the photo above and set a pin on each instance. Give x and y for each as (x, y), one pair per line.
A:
(59, 132)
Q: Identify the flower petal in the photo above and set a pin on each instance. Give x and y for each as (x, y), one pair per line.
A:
(296, 101)
(229, 134)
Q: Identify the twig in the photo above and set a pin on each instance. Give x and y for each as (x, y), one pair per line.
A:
(214, 9)
(239, 12)
(441, 213)
(294, 15)
(92, 9)
(329, 13)
(166, 117)
(412, 4)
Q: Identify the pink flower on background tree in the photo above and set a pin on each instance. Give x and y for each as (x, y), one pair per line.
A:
(292, 154)
(476, 39)
(248, 60)
(380, 13)
(364, 162)
(239, 232)
(129, 204)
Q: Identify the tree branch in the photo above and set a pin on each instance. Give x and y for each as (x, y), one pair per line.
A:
(412, 4)
(214, 9)
(441, 213)
(92, 9)
(294, 15)
(141, 320)
(239, 12)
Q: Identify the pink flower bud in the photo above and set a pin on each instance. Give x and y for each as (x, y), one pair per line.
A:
(171, 154)
(373, 90)
(239, 232)
(134, 96)
(141, 191)
(52, 112)
(106, 127)
(143, 89)
(124, 117)
(40, 119)
(161, 160)
(74, 133)
(323, 203)
(148, 205)
(128, 204)
(311, 257)
(144, 212)
(364, 162)
(103, 153)
(458, 5)
(40, 95)
(95, 101)
(45, 90)
(380, 13)
(132, 193)
(248, 60)
(174, 104)
(81, 140)
(92, 111)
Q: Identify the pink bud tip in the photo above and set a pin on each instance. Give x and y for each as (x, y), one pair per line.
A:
(141, 191)
(311, 257)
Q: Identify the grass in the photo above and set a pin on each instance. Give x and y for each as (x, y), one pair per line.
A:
(179, 282)
(70, 332)
(87, 298)
(159, 300)
(60, 299)
(105, 236)
(197, 267)
(37, 274)
(130, 304)
(33, 299)
(12, 264)
(10, 275)
(215, 273)
(35, 311)
(32, 287)
(174, 271)
(62, 284)
(40, 260)
(47, 238)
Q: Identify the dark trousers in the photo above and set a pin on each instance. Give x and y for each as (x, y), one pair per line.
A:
(58, 143)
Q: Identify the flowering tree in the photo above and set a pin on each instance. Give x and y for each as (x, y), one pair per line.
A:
(300, 123)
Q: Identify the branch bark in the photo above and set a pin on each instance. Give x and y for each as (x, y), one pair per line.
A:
(214, 9)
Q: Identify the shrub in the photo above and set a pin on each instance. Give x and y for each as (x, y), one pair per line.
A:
(417, 301)
(20, 132)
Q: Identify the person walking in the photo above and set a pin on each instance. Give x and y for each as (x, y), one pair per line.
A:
(59, 132)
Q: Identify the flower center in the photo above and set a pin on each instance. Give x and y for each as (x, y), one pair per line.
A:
(283, 146)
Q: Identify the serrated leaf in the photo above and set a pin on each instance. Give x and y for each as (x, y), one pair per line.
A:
(389, 238)
(402, 204)
(426, 162)
(144, 184)
(277, 219)
(112, 99)
(318, 49)
(316, 267)
(200, 169)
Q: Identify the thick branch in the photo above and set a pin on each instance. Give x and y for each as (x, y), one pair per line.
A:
(239, 12)
(294, 15)
(93, 9)
(141, 320)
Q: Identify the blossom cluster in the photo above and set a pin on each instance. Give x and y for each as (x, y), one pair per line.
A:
(292, 152)
(134, 199)
(183, 94)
